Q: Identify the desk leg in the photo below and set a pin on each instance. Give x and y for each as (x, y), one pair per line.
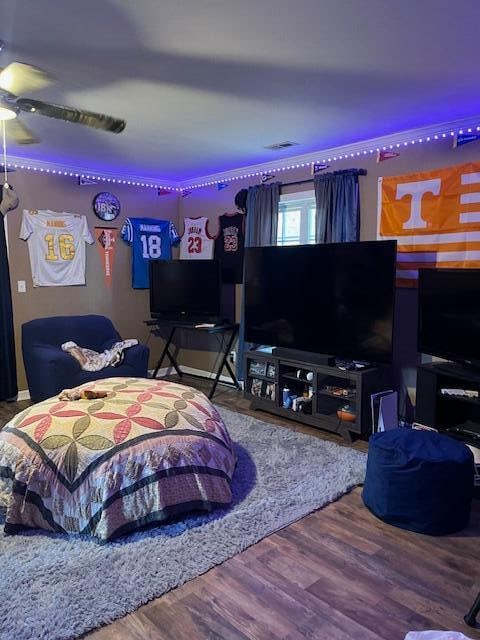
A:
(471, 617)
(231, 373)
(174, 364)
(225, 363)
(167, 353)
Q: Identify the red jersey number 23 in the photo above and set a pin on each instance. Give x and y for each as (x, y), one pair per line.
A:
(195, 244)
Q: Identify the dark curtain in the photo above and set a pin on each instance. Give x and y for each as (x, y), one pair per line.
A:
(338, 206)
(8, 367)
(260, 231)
(262, 215)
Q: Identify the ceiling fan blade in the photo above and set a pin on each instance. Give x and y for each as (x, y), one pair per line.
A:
(70, 114)
(20, 133)
(18, 78)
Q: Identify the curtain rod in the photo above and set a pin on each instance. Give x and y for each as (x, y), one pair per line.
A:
(288, 184)
(361, 172)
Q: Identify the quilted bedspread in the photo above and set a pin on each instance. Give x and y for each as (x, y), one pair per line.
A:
(149, 450)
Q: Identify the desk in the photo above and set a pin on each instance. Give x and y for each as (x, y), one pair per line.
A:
(229, 330)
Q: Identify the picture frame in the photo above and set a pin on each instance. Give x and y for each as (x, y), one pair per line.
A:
(256, 387)
(257, 368)
(270, 391)
(271, 370)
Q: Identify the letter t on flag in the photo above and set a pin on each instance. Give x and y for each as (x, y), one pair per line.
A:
(105, 241)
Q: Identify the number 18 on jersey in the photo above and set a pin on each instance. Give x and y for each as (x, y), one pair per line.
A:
(151, 240)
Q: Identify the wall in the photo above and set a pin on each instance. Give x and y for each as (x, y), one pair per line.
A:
(422, 157)
(126, 307)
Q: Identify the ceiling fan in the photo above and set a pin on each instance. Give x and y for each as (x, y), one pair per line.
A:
(18, 78)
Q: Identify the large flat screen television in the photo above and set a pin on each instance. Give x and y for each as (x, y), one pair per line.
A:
(333, 299)
(449, 314)
(185, 290)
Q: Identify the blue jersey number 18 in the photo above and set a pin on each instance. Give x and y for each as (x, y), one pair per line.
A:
(151, 246)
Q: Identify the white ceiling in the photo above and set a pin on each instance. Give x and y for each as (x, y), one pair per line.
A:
(205, 84)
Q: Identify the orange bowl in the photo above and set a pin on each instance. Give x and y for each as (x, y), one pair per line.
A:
(346, 416)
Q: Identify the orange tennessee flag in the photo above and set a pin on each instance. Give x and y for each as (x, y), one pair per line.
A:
(435, 218)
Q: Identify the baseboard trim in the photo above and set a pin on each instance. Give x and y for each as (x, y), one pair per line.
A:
(170, 371)
(24, 394)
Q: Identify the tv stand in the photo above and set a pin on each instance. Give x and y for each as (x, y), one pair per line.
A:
(443, 411)
(326, 397)
(459, 369)
(304, 356)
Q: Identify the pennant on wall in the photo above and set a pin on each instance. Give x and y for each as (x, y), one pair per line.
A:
(186, 193)
(83, 181)
(318, 166)
(460, 139)
(386, 154)
(435, 218)
(222, 185)
(106, 238)
(163, 192)
(267, 176)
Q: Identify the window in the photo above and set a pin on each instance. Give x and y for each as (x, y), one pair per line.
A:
(296, 219)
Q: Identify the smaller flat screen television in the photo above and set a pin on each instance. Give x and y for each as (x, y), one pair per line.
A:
(449, 314)
(185, 290)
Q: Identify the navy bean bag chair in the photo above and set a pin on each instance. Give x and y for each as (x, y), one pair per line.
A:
(419, 480)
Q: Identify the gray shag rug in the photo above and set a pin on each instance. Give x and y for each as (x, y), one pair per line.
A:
(56, 587)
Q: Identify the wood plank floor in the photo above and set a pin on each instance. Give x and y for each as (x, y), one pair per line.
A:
(337, 574)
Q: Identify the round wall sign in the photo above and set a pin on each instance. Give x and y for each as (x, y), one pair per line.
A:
(106, 206)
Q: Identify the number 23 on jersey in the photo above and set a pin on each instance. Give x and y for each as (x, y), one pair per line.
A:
(195, 244)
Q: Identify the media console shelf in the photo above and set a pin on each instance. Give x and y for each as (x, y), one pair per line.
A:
(441, 411)
(321, 391)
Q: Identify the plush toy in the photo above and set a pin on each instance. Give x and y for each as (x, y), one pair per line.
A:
(81, 394)
(9, 199)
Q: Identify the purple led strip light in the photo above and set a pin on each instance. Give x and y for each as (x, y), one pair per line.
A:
(364, 152)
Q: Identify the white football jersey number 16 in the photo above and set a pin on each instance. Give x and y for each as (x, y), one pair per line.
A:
(66, 247)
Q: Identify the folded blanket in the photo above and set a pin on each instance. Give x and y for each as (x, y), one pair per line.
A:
(92, 360)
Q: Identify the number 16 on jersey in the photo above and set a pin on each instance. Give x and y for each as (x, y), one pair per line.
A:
(66, 247)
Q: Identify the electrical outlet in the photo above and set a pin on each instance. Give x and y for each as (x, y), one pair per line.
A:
(233, 357)
(21, 286)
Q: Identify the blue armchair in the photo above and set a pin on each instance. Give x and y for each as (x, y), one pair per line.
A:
(49, 369)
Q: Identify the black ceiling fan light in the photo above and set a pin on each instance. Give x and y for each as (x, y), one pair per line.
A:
(70, 114)
(18, 78)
